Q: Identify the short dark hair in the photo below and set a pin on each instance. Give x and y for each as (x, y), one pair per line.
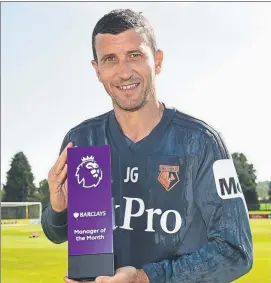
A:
(120, 20)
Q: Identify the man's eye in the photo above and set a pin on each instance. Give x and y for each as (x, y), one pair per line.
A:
(109, 59)
(135, 55)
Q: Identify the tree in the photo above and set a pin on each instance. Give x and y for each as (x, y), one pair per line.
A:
(269, 192)
(2, 193)
(44, 194)
(262, 190)
(19, 186)
(247, 178)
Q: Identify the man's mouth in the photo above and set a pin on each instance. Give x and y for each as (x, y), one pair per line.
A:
(128, 87)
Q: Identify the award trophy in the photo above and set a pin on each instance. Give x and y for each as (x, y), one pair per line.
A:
(90, 213)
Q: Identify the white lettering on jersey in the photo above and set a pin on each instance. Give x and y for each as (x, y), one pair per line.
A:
(227, 181)
(128, 212)
(131, 175)
(128, 215)
(151, 212)
(178, 221)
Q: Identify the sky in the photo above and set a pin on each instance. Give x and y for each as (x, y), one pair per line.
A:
(216, 67)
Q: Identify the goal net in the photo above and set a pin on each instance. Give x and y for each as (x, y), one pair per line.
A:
(21, 213)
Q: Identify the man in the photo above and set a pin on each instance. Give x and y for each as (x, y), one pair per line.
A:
(180, 211)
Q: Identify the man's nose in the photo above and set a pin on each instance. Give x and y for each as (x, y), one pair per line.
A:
(125, 70)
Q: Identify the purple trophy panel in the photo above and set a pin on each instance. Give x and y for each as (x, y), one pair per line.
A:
(90, 212)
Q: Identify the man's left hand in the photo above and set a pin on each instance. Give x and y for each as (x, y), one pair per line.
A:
(127, 274)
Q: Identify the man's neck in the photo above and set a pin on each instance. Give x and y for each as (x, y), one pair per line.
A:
(139, 124)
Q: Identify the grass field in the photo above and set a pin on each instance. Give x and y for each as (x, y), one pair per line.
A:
(260, 212)
(27, 260)
(265, 206)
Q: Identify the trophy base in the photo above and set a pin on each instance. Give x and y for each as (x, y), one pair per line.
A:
(88, 267)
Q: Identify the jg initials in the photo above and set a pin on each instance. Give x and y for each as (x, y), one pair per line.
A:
(131, 175)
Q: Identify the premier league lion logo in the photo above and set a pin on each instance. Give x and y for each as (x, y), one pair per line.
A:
(89, 173)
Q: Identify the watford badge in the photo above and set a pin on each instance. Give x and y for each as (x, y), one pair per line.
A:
(168, 176)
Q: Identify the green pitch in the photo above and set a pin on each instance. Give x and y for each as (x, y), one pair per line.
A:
(260, 212)
(36, 260)
(26, 260)
(265, 206)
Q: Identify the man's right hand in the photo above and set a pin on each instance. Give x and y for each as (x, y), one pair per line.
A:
(57, 180)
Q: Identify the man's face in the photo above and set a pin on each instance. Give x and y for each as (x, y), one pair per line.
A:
(127, 67)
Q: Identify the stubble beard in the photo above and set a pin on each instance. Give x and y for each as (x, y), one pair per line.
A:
(148, 93)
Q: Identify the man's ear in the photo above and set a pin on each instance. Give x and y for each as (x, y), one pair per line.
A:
(158, 61)
(95, 66)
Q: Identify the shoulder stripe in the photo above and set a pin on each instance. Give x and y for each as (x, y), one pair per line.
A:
(96, 121)
(200, 125)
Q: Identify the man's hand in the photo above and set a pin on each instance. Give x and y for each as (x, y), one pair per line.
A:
(57, 180)
(126, 274)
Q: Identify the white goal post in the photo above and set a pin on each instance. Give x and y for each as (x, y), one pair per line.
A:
(21, 213)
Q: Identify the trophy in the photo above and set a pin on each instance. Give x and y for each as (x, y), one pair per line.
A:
(90, 213)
